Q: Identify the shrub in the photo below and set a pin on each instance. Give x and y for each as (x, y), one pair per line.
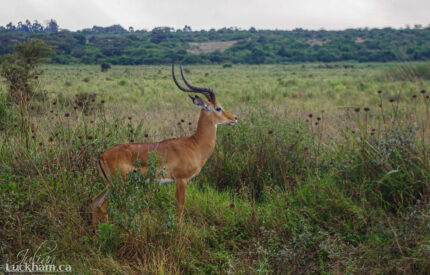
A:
(387, 168)
(85, 101)
(251, 156)
(21, 68)
(105, 67)
(127, 202)
(408, 72)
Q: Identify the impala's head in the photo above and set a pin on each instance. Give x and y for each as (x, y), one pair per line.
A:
(212, 108)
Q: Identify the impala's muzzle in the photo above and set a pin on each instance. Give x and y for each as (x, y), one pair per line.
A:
(233, 122)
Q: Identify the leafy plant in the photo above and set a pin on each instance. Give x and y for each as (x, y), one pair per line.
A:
(21, 69)
(127, 201)
(105, 67)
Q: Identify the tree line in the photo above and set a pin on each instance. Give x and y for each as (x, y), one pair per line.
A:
(164, 45)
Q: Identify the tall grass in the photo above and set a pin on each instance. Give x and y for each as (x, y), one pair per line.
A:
(290, 189)
(409, 72)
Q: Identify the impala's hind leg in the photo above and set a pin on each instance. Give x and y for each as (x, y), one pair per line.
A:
(98, 205)
(103, 211)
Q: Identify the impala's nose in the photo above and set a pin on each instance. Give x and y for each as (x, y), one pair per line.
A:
(234, 122)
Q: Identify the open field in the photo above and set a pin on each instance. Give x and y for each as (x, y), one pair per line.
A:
(208, 47)
(322, 174)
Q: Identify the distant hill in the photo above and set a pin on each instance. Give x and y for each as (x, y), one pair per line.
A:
(164, 45)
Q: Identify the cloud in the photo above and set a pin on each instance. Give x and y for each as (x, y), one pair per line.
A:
(203, 14)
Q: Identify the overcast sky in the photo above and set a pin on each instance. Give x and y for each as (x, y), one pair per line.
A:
(207, 14)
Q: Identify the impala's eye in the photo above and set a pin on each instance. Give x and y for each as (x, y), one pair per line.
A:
(218, 109)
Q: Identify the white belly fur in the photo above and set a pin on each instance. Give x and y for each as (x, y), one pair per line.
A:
(161, 181)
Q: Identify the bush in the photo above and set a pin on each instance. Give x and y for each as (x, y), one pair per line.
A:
(408, 72)
(387, 168)
(85, 101)
(105, 67)
(251, 156)
(127, 201)
(21, 69)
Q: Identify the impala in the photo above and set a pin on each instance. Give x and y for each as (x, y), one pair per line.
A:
(182, 157)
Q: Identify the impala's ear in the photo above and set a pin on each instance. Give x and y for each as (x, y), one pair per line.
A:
(199, 102)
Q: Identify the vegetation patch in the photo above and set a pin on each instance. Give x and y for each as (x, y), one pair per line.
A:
(326, 171)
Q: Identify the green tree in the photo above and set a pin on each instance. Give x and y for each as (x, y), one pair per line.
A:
(105, 67)
(22, 68)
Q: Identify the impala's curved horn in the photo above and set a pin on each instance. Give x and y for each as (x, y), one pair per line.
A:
(177, 83)
(208, 92)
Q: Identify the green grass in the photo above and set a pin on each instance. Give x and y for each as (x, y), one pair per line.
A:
(303, 183)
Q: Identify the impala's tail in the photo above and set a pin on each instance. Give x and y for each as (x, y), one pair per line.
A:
(98, 200)
(102, 171)
(97, 205)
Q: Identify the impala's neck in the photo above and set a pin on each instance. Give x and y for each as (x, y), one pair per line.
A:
(205, 135)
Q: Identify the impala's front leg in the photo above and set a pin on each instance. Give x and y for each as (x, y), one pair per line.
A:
(181, 186)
